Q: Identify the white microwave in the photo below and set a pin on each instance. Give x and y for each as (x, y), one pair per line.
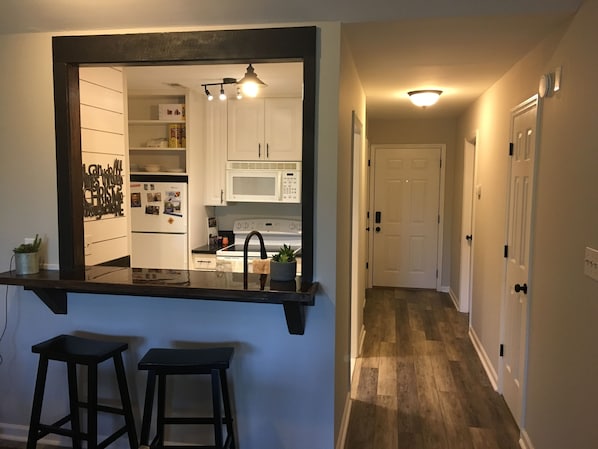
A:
(263, 182)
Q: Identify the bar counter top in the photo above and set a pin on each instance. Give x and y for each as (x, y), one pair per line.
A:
(52, 286)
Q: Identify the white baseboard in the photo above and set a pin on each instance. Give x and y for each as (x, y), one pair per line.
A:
(443, 289)
(483, 356)
(342, 433)
(17, 432)
(524, 441)
(454, 298)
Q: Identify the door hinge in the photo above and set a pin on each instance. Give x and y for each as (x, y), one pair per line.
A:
(367, 265)
(368, 162)
(436, 273)
(501, 350)
(506, 251)
(440, 163)
(438, 219)
(511, 148)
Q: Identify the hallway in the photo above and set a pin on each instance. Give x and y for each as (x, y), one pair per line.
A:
(419, 383)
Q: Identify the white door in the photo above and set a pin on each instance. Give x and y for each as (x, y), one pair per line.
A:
(406, 217)
(516, 304)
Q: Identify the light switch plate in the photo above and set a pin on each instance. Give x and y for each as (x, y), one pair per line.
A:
(590, 267)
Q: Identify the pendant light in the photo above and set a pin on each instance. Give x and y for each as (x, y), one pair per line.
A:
(424, 98)
(250, 83)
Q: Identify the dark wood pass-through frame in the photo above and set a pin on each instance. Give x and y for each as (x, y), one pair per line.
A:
(176, 48)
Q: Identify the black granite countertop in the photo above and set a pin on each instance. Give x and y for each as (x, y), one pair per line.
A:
(52, 287)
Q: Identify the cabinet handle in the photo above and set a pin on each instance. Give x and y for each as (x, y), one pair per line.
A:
(267, 151)
(259, 150)
(221, 196)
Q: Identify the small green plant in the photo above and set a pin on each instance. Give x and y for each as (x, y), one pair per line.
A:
(29, 247)
(285, 254)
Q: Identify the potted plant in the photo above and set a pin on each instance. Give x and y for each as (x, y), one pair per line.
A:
(27, 257)
(283, 266)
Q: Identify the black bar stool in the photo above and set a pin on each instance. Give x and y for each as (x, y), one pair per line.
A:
(164, 362)
(81, 351)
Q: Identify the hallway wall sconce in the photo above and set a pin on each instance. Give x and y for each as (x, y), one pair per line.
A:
(424, 98)
(250, 83)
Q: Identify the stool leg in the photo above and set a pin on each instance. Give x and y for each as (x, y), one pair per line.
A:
(38, 398)
(161, 410)
(216, 405)
(125, 400)
(92, 407)
(227, 409)
(147, 408)
(74, 404)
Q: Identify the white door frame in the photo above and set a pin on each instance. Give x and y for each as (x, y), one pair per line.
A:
(468, 222)
(531, 102)
(357, 238)
(422, 147)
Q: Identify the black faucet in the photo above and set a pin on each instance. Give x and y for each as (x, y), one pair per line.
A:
(263, 254)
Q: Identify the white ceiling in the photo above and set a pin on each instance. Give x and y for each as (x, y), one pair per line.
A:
(461, 46)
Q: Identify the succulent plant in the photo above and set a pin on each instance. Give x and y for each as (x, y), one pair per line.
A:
(285, 254)
(29, 247)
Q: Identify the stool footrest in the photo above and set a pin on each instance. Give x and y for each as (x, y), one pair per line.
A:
(104, 408)
(195, 420)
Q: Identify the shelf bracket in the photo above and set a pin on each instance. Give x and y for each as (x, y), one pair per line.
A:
(55, 299)
(295, 314)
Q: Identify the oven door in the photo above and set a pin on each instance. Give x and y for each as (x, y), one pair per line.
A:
(253, 186)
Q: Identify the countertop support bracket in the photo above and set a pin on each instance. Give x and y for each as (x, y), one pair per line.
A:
(294, 312)
(55, 299)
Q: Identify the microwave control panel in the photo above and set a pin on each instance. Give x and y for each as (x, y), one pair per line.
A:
(291, 187)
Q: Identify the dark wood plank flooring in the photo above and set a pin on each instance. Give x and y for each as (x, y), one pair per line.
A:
(419, 383)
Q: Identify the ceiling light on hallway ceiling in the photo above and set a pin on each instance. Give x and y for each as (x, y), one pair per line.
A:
(250, 83)
(424, 98)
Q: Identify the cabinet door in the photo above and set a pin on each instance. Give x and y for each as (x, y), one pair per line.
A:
(214, 169)
(246, 130)
(283, 128)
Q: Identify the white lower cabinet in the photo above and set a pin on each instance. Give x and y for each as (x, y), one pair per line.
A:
(204, 261)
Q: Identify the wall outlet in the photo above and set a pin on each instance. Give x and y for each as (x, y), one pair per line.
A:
(590, 267)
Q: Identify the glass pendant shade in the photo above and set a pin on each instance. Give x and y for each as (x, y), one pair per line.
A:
(424, 98)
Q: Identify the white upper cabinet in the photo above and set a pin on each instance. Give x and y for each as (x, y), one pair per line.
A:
(265, 129)
(215, 153)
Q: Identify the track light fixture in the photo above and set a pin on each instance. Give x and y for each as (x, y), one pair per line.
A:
(248, 86)
(208, 94)
(222, 95)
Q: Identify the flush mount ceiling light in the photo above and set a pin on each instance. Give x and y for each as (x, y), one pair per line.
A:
(250, 83)
(424, 98)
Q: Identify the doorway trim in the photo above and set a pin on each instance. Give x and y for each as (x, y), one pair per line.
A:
(470, 147)
(441, 200)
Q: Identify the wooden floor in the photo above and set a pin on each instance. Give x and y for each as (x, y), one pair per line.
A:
(419, 383)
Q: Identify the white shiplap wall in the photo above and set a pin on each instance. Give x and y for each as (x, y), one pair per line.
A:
(103, 141)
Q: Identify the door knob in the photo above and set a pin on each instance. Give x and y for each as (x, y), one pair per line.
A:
(378, 228)
(469, 237)
(521, 288)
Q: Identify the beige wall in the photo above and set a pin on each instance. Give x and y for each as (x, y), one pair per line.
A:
(441, 131)
(561, 391)
(351, 98)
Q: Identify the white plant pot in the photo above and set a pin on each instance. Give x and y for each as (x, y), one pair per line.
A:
(26, 263)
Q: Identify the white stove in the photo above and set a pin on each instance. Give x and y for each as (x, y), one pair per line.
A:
(275, 233)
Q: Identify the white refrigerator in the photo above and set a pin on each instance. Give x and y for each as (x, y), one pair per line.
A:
(158, 224)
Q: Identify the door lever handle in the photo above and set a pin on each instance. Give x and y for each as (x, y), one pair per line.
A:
(521, 288)
(469, 237)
